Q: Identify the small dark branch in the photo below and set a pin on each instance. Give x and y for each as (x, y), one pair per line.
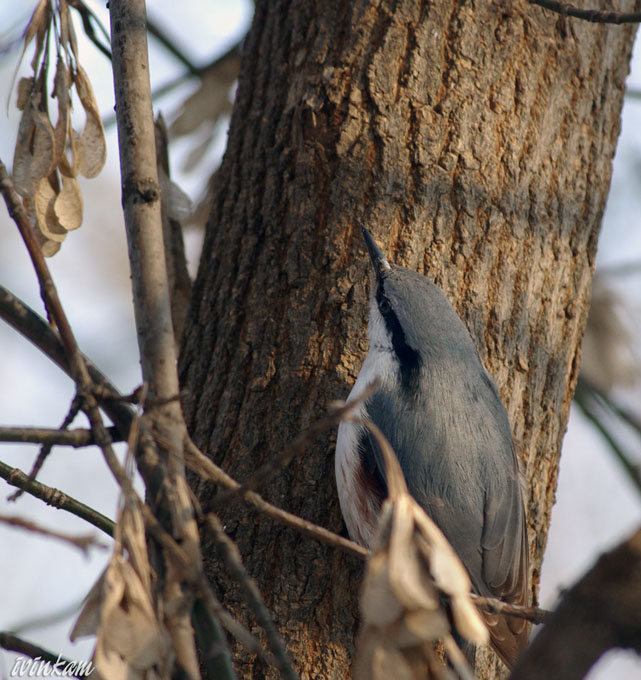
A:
(214, 651)
(600, 612)
(56, 498)
(200, 464)
(47, 286)
(178, 276)
(45, 450)
(296, 448)
(76, 438)
(171, 47)
(12, 643)
(594, 15)
(81, 542)
(231, 555)
(594, 405)
(33, 327)
(88, 19)
(494, 606)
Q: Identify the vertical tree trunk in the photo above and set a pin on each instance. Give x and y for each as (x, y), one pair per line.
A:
(474, 139)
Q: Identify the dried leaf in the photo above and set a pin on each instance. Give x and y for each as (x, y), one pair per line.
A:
(34, 153)
(90, 145)
(409, 577)
(380, 606)
(61, 93)
(25, 90)
(44, 202)
(421, 626)
(68, 204)
(119, 610)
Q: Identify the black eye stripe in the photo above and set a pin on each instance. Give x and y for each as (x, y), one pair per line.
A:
(409, 359)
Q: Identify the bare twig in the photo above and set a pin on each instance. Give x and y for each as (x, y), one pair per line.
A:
(45, 449)
(13, 643)
(494, 606)
(76, 362)
(207, 469)
(142, 210)
(33, 327)
(594, 405)
(81, 542)
(593, 15)
(230, 553)
(76, 438)
(56, 498)
(297, 446)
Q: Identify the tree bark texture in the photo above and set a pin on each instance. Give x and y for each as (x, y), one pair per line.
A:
(474, 139)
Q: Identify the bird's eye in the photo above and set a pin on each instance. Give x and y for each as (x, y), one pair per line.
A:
(385, 306)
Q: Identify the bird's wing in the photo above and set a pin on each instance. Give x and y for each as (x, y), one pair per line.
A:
(479, 510)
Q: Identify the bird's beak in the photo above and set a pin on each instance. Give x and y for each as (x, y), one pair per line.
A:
(379, 261)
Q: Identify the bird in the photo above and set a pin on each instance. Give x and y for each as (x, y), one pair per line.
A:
(443, 416)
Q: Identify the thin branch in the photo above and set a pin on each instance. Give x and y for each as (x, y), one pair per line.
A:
(231, 555)
(35, 329)
(47, 287)
(589, 400)
(207, 469)
(296, 447)
(56, 498)
(160, 35)
(494, 606)
(55, 310)
(46, 449)
(81, 542)
(13, 643)
(143, 223)
(76, 438)
(593, 15)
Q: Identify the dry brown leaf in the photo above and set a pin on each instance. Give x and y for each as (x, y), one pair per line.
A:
(34, 153)
(68, 204)
(131, 642)
(37, 26)
(119, 611)
(61, 93)
(90, 145)
(25, 90)
(44, 202)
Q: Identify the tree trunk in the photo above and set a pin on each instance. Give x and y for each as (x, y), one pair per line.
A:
(474, 139)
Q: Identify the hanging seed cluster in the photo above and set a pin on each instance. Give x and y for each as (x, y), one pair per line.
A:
(48, 158)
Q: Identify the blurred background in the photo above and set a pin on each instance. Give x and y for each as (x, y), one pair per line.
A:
(42, 581)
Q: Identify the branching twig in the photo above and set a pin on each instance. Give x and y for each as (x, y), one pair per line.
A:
(56, 498)
(594, 15)
(81, 542)
(76, 438)
(589, 399)
(45, 449)
(297, 446)
(207, 469)
(142, 210)
(494, 606)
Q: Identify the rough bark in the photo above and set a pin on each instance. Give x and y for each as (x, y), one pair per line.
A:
(475, 141)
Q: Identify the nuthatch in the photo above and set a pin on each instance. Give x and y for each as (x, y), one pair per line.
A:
(444, 418)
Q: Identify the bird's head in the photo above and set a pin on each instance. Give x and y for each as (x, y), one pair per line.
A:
(411, 317)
